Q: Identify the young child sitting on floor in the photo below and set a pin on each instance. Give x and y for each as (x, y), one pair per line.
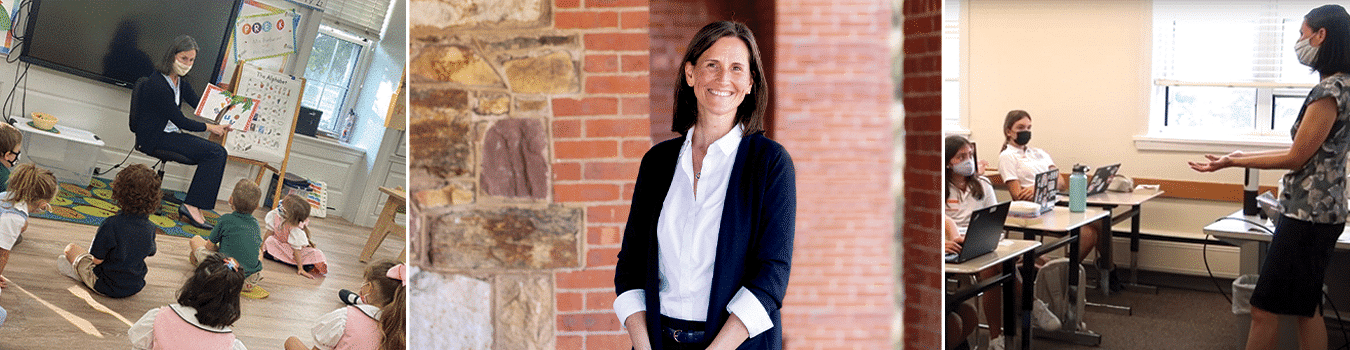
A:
(287, 239)
(115, 263)
(237, 236)
(11, 142)
(31, 189)
(207, 305)
(377, 325)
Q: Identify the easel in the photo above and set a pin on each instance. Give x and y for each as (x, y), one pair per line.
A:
(262, 165)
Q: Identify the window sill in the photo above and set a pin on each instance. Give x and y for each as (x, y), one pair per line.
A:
(1165, 142)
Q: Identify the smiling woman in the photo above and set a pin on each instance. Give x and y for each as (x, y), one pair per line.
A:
(714, 282)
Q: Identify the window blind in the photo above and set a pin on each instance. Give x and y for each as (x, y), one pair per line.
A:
(361, 17)
(1232, 42)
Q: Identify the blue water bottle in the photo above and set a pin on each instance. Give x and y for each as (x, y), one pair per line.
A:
(1078, 189)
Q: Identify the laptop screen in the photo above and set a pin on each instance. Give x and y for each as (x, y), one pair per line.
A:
(1047, 186)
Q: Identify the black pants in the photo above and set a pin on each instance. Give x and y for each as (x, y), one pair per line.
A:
(210, 158)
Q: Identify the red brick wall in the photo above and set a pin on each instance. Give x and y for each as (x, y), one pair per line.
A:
(922, 235)
(599, 137)
(833, 105)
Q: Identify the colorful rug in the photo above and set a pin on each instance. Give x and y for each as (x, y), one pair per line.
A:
(91, 205)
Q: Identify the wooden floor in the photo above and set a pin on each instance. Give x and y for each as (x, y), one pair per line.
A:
(50, 311)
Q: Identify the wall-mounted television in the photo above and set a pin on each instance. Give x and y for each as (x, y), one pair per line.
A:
(118, 41)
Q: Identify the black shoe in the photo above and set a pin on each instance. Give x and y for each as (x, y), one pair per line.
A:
(348, 297)
(187, 217)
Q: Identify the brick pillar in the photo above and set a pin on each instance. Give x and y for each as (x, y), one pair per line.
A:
(922, 237)
(833, 100)
(600, 135)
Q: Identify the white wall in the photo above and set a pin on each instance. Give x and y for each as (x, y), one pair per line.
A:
(1082, 70)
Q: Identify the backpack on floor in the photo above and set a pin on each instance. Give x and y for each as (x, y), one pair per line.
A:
(1051, 281)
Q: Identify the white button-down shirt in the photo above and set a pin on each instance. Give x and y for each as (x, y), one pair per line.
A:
(687, 233)
(177, 101)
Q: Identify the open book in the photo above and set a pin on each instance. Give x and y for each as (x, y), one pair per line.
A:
(226, 108)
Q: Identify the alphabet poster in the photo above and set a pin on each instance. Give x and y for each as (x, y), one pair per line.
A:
(268, 135)
(227, 108)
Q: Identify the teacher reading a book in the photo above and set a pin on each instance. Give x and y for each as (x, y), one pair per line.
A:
(156, 120)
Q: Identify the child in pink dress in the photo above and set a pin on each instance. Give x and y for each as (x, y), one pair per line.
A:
(376, 325)
(207, 305)
(287, 240)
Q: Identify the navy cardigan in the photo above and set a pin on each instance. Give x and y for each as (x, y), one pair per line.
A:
(156, 108)
(754, 246)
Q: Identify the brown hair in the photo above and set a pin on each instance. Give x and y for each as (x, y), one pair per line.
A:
(28, 183)
(750, 114)
(1013, 117)
(389, 295)
(10, 137)
(136, 190)
(245, 196)
(213, 289)
(954, 145)
(294, 209)
(180, 44)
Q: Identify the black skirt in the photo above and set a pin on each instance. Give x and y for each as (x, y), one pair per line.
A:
(1295, 265)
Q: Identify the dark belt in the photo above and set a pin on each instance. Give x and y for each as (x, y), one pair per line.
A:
(683, 332)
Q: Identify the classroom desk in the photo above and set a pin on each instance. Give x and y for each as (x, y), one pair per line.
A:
(1005, 254)
(1110, 200)
(1062, 221)
(1253, 240)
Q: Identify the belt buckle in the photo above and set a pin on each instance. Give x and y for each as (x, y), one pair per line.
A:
(676, 335)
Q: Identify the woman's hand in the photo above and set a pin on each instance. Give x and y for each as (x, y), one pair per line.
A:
(953, 247)
(218, 129)
(1215, 163)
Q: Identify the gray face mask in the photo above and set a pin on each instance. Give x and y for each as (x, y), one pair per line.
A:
(966, 168)
(1306, 52)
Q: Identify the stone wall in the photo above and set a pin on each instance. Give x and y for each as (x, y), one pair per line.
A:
(528, 119)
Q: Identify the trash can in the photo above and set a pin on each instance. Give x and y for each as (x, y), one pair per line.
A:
(293, 184)
(1243, 287)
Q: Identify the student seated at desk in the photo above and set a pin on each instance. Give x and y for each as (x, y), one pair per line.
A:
(968, 191)
(1019, 163)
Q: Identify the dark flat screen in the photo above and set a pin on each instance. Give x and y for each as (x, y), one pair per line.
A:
(118, 41)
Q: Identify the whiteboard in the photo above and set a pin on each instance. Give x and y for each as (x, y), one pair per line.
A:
(268, 136)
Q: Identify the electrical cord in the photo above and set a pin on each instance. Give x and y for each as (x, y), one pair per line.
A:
(1344, 335)
(1204, 253)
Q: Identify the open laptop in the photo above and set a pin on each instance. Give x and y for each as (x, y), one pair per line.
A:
(1100, 179)
(1047, 187)
(983, 233)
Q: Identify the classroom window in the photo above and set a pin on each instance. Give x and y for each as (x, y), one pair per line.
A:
(331, 70)
(951, 65)
(1228, 71)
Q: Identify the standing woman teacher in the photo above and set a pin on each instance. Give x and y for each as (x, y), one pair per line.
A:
(1313, 192)
(708, 245)
(159, 120)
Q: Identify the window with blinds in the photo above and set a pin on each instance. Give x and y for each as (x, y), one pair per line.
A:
(951, 64)
(1229, 68)
(362, 17)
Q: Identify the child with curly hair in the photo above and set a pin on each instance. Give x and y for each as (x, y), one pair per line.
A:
(287, 238)
(11, 142)
(377, 325)
(237, 236)
(30, 191)
(115, 263)
(207, 305)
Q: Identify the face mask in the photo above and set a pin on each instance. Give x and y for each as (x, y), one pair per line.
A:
(16, 159)
(180, 68)
(1306, 52)
(966, 168)
(1023, 137)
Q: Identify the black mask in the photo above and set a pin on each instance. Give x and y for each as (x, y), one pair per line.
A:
(1023, 137)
